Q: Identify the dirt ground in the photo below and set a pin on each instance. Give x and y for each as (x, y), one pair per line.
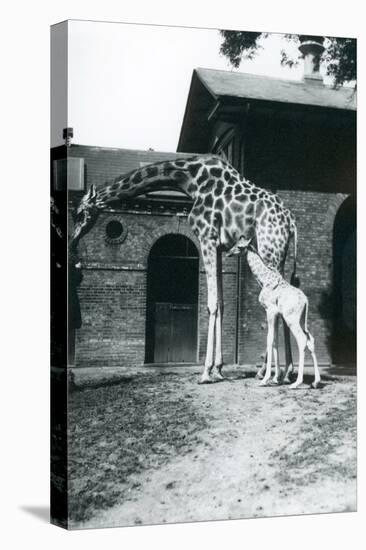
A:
(156, 447)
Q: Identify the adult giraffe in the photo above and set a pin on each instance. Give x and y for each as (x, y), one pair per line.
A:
(225, 208)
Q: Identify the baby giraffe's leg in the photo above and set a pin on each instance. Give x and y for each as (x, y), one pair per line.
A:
(289, 366)
(270, 336)
(278, 375)
(301, 340)
(311, 347)
(261, 371)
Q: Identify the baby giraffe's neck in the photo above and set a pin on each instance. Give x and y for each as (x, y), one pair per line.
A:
(265, 276)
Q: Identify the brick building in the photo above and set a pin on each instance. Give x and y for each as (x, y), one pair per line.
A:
(143, 294)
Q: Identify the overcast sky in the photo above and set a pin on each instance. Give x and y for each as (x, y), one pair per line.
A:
(128, 84)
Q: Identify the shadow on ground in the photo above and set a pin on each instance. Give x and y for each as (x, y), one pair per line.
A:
(40, 512)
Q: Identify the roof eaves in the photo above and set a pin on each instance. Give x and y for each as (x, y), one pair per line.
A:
(187, 112)
(204, 83)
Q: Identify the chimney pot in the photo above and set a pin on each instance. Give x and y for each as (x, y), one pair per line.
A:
(67, 134)
(312, 48)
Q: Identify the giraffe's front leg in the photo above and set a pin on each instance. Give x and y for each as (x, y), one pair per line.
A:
(219, 362)
(210, 263)
(206, 375)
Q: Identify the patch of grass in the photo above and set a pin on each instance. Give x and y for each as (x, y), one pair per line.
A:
(118, 430)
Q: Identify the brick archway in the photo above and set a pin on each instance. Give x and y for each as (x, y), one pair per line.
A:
(180, 228)
(335, 204)
(344, 282)
(172, 300)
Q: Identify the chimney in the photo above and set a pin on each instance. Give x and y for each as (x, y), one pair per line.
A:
(67, 134)
(312, 48)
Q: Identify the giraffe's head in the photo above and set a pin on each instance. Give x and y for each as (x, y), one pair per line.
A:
(85, 215)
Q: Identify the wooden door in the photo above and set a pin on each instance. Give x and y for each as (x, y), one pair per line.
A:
(175, 333)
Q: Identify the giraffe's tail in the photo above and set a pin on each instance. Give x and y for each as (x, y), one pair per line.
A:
(294, 280)
(306, 330)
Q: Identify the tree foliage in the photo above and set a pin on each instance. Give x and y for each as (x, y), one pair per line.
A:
(339, 56)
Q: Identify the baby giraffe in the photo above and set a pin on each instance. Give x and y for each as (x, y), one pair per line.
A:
(278, 297)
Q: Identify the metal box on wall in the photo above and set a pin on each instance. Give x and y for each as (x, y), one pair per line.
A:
(69, 174)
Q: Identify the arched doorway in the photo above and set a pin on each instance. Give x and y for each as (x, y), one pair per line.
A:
(344, 284)
(172, 301)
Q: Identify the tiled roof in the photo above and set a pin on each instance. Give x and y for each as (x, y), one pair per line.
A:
(243, 85)
(106, 163)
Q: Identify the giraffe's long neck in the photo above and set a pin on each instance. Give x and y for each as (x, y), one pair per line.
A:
(176, 175)
(265, 276)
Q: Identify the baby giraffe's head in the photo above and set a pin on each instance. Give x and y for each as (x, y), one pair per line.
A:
(240, 246)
